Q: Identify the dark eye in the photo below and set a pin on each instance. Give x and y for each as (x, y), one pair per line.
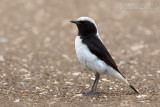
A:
(82, 22)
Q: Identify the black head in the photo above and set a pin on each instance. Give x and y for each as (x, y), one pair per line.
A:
(86, 26)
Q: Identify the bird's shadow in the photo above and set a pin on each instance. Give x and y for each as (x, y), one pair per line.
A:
(117, 93)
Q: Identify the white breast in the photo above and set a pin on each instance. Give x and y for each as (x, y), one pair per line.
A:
(87, 58)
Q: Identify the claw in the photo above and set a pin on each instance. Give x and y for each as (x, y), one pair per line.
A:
(91, 93)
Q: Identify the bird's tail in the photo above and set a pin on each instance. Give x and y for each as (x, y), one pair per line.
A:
(121, 77)
(118, 75)
(133, 88)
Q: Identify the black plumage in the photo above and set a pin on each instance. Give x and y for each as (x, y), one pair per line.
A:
(97, 48)
(88, 34)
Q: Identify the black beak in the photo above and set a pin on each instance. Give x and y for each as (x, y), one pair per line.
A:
(74, 21)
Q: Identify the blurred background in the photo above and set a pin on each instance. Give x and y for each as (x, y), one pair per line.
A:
(38, 65)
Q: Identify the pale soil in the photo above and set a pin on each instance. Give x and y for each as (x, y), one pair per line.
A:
(38, 65)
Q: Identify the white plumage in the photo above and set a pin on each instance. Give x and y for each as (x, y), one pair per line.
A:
(92, 62)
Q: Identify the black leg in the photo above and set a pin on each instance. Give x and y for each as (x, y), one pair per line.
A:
(95, 82)
(94, 87)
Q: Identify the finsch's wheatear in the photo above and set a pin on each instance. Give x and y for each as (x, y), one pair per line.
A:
(92, 53)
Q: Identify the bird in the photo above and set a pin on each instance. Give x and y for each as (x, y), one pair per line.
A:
(92, 53)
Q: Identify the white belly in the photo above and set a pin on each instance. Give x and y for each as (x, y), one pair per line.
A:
(91, 61)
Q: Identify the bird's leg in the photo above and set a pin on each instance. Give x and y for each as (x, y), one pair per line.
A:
(93, 90)
(95, 82)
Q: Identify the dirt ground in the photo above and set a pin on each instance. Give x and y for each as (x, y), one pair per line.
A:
(38, 65)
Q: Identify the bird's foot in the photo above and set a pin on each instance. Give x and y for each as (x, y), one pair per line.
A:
(91, 93)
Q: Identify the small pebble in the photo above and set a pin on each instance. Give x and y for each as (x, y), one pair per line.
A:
(104, 79)
(87, 85)
(110, 88)
(42, 93)
(1, 58)
(76, 73)
(3, 40)
(158, 71)
(156, 52)
(67, 57)
(69, 83)
(122, 63)
(92, 78)
(16, 100)
(78, 95)
(141, 96)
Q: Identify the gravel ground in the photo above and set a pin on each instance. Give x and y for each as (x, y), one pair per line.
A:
(38, 65)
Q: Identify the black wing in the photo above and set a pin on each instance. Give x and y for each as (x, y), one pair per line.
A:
(96, 47)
